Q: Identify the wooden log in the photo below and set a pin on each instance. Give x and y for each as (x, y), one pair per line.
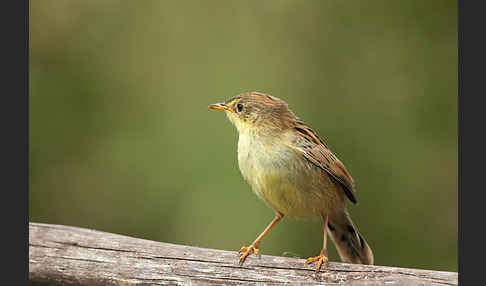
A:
(65, 255)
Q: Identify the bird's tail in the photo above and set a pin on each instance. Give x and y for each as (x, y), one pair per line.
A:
(350, 244)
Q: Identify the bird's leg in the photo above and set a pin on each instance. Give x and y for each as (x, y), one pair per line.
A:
(322, 258)
(254, 246)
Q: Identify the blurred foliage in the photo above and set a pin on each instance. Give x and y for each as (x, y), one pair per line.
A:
(121, 139)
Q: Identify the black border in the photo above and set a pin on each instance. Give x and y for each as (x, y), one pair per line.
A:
(25, 101)
(14, 23)
(471, 129)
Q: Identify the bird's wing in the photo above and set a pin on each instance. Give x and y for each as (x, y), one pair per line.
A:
(315, 151)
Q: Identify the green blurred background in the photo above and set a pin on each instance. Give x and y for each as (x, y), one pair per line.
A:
(121, 139)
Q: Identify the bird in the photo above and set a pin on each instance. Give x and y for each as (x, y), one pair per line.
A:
(295, 173)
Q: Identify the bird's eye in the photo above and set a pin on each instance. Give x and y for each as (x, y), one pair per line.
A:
(239, 107)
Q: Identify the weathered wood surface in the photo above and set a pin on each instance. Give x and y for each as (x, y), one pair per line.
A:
(64, 255)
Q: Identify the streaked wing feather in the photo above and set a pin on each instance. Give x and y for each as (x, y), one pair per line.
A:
(315, 151)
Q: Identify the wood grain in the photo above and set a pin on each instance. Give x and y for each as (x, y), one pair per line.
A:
(65, 255)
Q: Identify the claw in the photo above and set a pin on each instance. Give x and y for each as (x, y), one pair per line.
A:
(247, 251)
(321, 260)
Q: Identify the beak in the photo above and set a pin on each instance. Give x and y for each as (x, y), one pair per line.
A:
(221, 106)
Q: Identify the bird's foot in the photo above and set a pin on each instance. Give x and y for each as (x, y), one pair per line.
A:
(321, 259)
(247, 251)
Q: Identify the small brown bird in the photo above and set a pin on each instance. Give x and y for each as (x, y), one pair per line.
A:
(293, 171)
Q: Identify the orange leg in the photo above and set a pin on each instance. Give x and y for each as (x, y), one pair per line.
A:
(322, 258)
(254, 246)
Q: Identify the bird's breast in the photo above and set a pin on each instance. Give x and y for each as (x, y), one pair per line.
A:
(282, 178)
(261, 158)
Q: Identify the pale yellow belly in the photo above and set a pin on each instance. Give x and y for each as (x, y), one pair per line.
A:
(289, 184)
(305, 197)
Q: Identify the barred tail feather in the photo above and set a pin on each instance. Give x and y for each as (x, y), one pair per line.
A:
(350, 244)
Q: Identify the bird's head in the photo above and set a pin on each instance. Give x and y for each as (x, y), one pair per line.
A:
(255, 111)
